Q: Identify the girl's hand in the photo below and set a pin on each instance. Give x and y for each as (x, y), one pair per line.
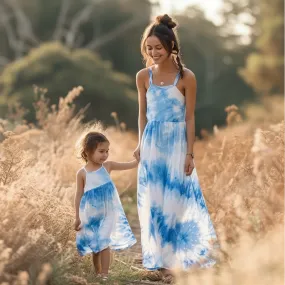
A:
(113, 165)
(189, 165)
(77, 224)
(137, 153)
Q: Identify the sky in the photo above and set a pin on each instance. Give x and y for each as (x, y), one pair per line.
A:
(211, 8)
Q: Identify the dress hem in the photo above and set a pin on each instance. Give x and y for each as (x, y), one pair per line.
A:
(206, 265)
(118, 248)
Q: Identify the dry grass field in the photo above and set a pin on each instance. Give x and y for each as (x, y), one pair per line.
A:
(241, 171)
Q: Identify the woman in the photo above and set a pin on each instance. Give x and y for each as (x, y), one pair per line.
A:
(176, 229)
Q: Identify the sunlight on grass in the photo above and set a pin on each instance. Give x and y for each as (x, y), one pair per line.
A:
(241, 170)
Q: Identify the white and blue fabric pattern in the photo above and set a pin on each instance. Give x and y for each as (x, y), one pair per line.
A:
(176, 229)
(103, 221)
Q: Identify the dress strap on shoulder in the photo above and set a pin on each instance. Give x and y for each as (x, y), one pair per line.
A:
(150, 75)
(84, 169)
(176, 78)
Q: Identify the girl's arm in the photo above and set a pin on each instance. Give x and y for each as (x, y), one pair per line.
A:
(78, 195)
(141, 77)
(113, 165)
(190, 96)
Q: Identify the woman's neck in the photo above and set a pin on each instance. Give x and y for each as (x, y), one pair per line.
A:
(167, 66)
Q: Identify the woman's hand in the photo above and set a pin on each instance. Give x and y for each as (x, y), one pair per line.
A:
(189, 165)
(77, 224)
(137, 153)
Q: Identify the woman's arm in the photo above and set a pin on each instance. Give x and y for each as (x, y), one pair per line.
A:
(113, 165)
(78, 195)
(140, 82)
(190, 96)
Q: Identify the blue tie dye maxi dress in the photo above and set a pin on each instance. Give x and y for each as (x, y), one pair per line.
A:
(176, 229)
(103, 220)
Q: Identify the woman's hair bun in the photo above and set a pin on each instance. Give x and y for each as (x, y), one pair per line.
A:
(166, 20)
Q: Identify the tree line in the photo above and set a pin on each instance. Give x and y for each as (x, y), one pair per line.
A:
(59, 44)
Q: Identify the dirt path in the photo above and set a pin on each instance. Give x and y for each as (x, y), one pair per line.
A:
(133, 255)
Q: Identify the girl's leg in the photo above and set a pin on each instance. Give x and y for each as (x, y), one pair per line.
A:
(105, 260)
(97, 262)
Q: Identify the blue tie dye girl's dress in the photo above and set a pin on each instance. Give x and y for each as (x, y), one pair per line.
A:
(176, 229)
(103, 220)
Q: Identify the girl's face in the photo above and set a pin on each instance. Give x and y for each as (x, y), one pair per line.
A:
(156, 50)
(101, 153)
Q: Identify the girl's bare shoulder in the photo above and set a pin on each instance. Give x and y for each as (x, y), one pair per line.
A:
(80, 173)
(107, 165)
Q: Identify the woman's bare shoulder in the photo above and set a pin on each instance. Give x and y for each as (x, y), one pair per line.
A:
(142, 78)
(142, 74)
(188, 74)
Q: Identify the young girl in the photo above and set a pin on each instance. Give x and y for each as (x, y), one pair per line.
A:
(176, 229)
(100, 220)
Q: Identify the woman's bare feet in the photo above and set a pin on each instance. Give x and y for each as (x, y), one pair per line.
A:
(104, 276)
(153, 275)
(167, 276)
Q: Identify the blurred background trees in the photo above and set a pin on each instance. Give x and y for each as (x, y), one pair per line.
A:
(59, 69)
(59, 44)
(264, 69)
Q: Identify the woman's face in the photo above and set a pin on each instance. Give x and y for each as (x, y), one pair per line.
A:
(156, 50)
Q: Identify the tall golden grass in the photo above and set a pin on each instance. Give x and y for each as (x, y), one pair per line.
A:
(37, 175)
(241, 171)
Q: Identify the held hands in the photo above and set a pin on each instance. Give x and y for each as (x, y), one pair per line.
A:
(137, 153)
(77, 226)
(189, 165)
(189, 162)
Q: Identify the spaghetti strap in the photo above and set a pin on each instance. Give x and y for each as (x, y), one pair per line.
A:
(150, 75)
(84, 169)
(176, 78)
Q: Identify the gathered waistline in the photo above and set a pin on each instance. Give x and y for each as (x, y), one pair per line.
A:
(97, 188)
(172, 122)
